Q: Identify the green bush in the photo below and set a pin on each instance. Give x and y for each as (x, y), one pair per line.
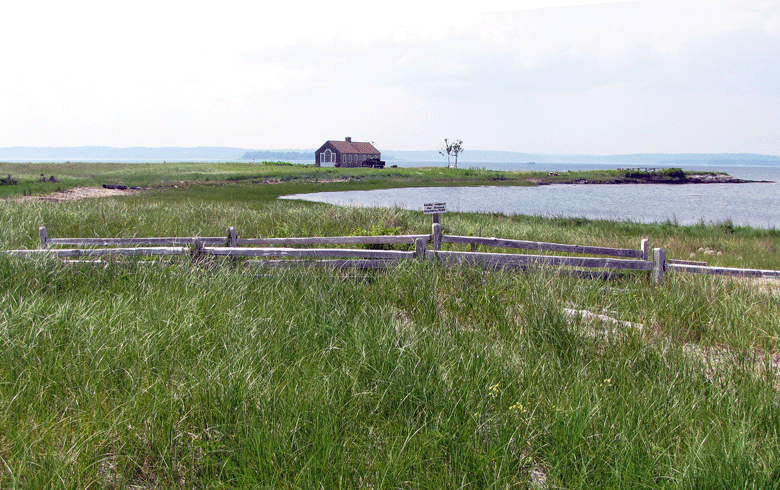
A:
(674, 173)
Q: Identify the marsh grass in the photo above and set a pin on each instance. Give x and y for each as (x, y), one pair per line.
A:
(179, 374)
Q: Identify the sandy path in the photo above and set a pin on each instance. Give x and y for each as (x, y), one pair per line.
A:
(78, 193)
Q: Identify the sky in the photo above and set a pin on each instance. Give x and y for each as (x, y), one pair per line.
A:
(609, 77)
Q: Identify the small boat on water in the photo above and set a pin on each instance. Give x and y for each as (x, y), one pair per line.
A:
(531, 163)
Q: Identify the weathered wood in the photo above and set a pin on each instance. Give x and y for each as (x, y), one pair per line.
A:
(99, 252)
(543, 246)
(333, 240)
(499, 259)
(150, 263)
(723, 271)
(306, 252)
(659, 265)
(44, 236)
(688, 262)
(385, 258)
(336, 263)
(436, 236)
(197, 250)
(419, 248)
(160, 241)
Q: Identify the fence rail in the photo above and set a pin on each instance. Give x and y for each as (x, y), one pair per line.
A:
(335, 240)
(723, 271)
(542, 246)
(307, 253)
(99, 252)
(278, 252)
(499, 260)
(46, 242)
(136, 242)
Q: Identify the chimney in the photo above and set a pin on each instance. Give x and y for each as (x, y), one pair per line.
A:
(348, 139)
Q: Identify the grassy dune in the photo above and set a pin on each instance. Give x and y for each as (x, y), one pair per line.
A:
(182, 375)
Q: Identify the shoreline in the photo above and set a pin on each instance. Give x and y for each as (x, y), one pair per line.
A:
(280, 178)
(689, 178)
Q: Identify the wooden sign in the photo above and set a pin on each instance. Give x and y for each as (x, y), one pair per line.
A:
(434, 207)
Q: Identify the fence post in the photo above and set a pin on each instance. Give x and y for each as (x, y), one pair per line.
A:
(44, 236)
(419, 248)
(232, 236)
(645, 247)
(659, 263)
(197, 251)
(436, 232)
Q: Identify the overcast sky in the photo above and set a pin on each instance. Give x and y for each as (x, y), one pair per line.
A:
(531, 76)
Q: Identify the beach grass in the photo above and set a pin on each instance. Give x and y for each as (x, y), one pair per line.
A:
(180, 374)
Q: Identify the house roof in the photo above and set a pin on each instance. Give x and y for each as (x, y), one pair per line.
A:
(353, 147)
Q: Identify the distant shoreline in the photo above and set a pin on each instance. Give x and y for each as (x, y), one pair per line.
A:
(401, 157)
(689, 178)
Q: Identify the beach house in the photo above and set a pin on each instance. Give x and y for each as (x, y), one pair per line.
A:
(345, 153)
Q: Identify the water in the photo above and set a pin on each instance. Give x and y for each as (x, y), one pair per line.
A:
(756, 205)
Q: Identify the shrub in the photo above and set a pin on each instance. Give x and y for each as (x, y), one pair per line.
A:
(674, 173)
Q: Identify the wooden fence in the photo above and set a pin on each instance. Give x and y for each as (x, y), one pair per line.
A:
(277, 252)
(282, 252)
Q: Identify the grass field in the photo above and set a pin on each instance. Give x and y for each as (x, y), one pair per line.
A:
(182, 375)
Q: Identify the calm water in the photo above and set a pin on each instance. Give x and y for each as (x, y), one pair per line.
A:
(756, 205)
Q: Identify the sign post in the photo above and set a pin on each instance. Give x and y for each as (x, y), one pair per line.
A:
(435, 208)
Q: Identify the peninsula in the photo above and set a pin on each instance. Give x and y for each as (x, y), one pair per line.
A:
(280, 178)
(637, 176)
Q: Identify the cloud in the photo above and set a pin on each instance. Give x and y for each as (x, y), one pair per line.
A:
(501, 75)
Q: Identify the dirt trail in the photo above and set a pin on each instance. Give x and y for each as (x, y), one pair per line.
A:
(78, 193)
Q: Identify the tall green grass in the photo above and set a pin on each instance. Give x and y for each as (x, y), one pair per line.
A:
(179, 376)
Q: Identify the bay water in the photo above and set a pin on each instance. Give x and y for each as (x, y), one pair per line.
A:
(754, 204)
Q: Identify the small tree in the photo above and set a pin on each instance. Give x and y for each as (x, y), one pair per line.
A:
(450, 149)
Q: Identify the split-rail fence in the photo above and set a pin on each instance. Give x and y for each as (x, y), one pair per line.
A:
(277, 252)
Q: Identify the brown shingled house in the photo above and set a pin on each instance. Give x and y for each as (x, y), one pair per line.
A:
(345, 153)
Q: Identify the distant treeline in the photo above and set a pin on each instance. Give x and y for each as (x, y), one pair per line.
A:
(277, 155)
